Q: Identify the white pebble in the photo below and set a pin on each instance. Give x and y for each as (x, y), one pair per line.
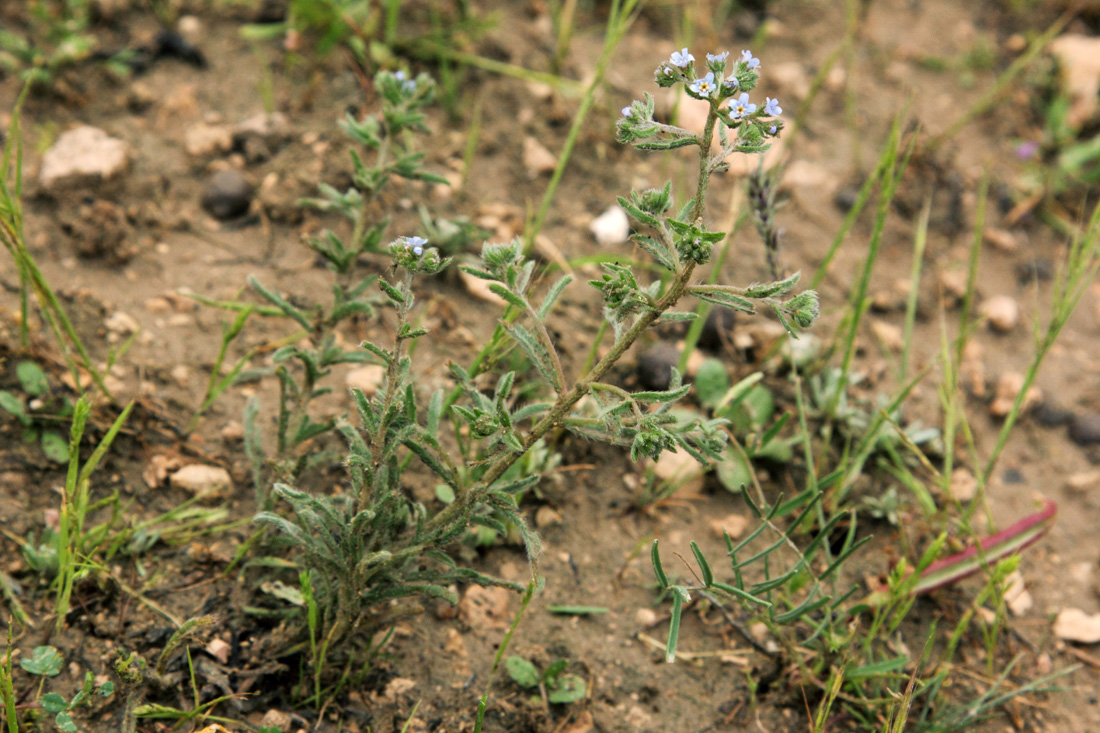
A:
(611, 227)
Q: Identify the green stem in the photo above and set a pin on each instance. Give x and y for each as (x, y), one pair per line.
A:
(483, 703)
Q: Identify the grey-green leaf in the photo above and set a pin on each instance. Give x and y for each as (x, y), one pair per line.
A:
(44, 660)
(32, 378)
(522, 672)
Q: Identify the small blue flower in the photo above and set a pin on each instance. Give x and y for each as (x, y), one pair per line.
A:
(628, 112)
(682, 58)
(407, 85)
(717, 58)
(704, 87)
(741, 106)
(731, 83)
(416, 244)
(771, 107)
(749, 61)
(772, 130)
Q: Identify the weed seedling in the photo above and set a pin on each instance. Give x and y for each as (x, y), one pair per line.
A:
(553, 684)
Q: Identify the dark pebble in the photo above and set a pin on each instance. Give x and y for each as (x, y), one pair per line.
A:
(1041, 270)
(1012, 476)
(655, 366)
(1085, 429)
(717, 328)
(846, 197)
(1051, 415)
(227, 195)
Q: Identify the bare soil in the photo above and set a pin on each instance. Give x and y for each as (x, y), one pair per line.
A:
(133, 244)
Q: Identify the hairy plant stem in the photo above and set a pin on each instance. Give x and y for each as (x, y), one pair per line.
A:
(464, 504)
(392, 371)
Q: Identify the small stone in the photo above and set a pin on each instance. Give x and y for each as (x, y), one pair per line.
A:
(277, 719)
(1051, 415)
(202, 140)
(846, 197)
(679, 469)
(83, 155)
(219, 649)
(199, 479)
(547, 517)
(1083, 481)
(964, 486)
(695, 360)
(485, 608)
(717, 329)
(271, 127)
(584, 723)
(655, 366)
(140, 96)
(731, 524)
(1008, 386)
(1001, 239)
(228, 194)
(537, 159)
(156, 471)
(1002, 312)
(190, 28)
(233, 432)
(455, 644)
(1079, 60)
(122, 323)
(890, 335)
(1084, 429)
(1073, 624)
(972, 368)
(366, 378)
(953, 283)
(1016, 595)
(181, 375)
(1039, 269)
(645, 617)
(158, 304)
(611, 227)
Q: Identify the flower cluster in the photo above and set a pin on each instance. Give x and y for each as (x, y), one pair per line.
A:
(724, 79)
(399, 87)
(412, 254)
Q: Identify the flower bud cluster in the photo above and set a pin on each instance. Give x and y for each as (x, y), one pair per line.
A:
(414, 255)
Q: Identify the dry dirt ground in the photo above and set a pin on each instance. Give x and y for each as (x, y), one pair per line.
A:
(132, 244)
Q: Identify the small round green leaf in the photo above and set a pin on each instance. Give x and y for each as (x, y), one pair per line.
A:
(570, 688)
(32, 378)
(65, 722)
(735, 472)
(55, 447)
(522, 672)
(53, 703)
(10, 403)
(44, 660)
(445, 493)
